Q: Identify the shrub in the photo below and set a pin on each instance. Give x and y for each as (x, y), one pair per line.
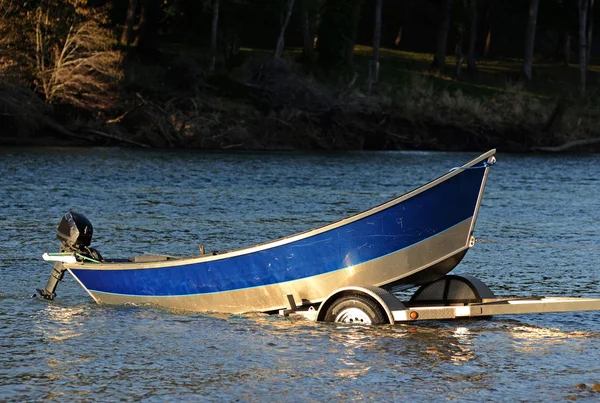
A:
(64, 52)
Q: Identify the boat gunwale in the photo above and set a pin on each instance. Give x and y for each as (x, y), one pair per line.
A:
(187, 260)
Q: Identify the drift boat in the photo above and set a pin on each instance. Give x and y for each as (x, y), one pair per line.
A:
(412, 240)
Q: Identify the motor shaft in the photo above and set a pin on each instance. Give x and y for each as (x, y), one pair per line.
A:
(57, 273)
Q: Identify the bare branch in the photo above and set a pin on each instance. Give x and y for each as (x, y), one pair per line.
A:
(70, 52)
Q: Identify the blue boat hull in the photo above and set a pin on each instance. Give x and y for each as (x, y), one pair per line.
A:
(410, 240)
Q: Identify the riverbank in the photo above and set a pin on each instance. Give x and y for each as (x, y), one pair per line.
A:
(266, 103)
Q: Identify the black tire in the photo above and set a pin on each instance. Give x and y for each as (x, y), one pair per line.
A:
(356, 309)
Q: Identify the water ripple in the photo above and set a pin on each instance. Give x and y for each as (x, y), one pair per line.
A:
(72, 350)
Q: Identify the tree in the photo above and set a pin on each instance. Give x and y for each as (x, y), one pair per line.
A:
(374, 66)
(439, 59)
(583, 62)
(530, 38)
(459, 52)
(337, 32)
(590, 31)
(471, 61)
(284, 23)
(149, 26)
(213, 36)
(307, 33)
(130, 19)
(403, 19)
(567, 47)
(561, 16)
(489, 26)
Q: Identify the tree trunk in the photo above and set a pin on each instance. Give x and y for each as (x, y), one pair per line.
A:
(337, 33)
(284, 24)
(127, 34)
(355, 8)
(307, 35)
(489, 25)
(439, 59)
(583, 9)
(488, 43)
(349, 52)
(399, 36)
(530, 39)
(459, 53)
(402, 23)
(149, 24)
(374, 66)
(567, 48)
(213, 37)
(471, 60)
(313, 24)
(590, 31)
(231, 46)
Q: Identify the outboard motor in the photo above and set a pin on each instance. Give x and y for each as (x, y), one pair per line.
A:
(75, 234)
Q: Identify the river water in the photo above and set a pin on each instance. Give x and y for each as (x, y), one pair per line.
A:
(542, 212)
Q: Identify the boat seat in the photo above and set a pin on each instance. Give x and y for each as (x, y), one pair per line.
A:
(149, 258)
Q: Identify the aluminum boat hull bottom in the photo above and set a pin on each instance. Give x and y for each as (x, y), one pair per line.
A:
(410, 240)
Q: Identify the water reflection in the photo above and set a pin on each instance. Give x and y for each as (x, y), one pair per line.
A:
(464, 345)
(352, 339)
(400, 351)
(531, 339)
(59, 323)
(532, 333)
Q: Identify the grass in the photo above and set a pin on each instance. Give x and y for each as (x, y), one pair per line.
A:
(397, 68)
(550, 79)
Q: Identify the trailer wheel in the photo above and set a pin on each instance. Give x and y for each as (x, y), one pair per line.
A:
(355, 308)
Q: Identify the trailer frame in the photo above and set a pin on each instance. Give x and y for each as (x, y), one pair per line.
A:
(393, 310)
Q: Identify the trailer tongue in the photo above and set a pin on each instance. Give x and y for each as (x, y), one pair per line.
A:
(499, 306)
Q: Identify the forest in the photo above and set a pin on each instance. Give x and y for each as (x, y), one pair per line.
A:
(518, 75)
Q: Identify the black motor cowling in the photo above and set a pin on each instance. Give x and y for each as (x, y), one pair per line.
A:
(75, 233)
(75, 230)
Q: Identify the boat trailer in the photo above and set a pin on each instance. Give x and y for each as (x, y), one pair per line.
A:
(450, 297)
